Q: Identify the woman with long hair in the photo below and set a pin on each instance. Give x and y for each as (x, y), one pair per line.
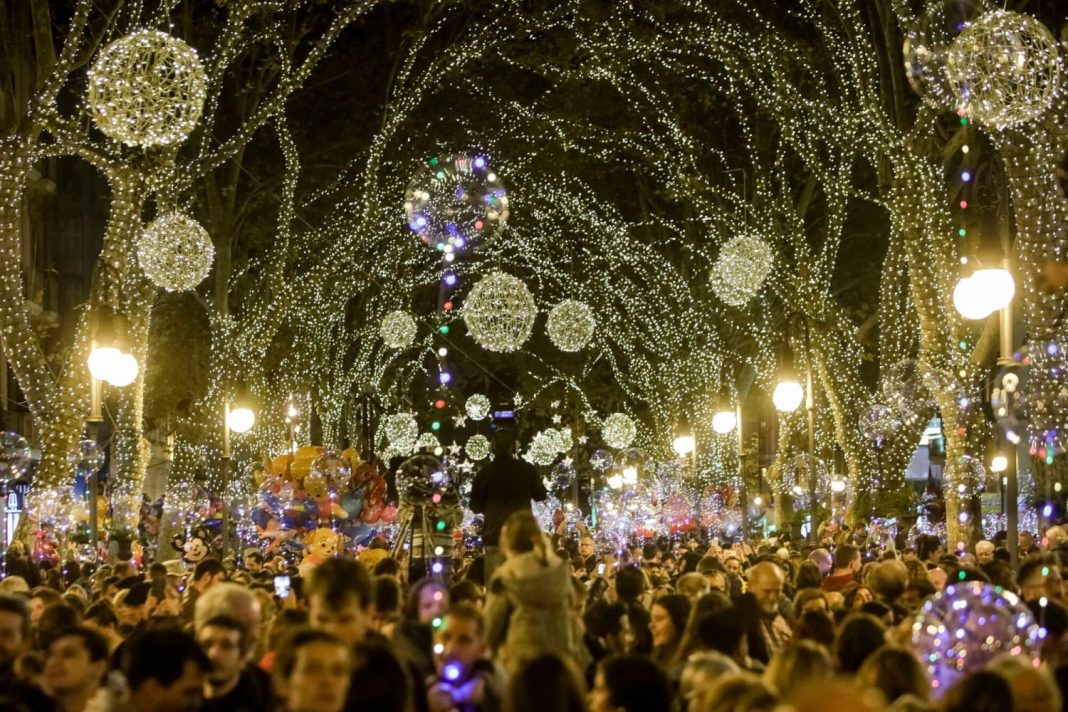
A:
(667, 622)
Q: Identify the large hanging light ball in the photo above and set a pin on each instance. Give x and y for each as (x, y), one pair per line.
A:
(400, 431)
(477, 448)
(477, 407)
(927, 42)
(743, 265)
(454, 200)
(175, 252)
(571, 324)
(1003, 68)
(619, 430)
(147, 89)
(398, 329)
(499, 312)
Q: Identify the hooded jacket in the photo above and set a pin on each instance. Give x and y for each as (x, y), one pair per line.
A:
(528, 610)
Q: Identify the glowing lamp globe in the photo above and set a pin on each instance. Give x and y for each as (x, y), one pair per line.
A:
(724, 421)
(240, 420)
(684, 445)
(969, 301)
(102, 362)
(630, 475)
(996, 285)
(124, 370)
(838, 486)
(999, 463)
(788, 396)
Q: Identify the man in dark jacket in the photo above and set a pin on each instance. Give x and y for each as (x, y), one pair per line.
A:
(501, 488)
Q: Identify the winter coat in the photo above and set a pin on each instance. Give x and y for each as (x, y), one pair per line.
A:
(528, 610)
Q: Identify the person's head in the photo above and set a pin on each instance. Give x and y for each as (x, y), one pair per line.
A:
(467, 591)
(207, 573)
(503, 442)
(165, 669)
(822, 559)
(101, 617)
(233, 600)
(587, 546)
(223, 640)
(428, 599)
(459, 642)
(133, 607)
(808, 576)
(887, 579)
(41, 598)
(692, 585)
(340, 595)
(1033, 689)
(1026, 540)
(766, 582)
(700, 672)
(984, 552)
(667, 619)
(14, 628)
(610, 623)
(546, 682)
(856, 596)
(859, 636)
(629, 583)
(732, 564)
(817, 626)
(312, 672)
(522, 534)
(736, 692)
(157, 570)
(847, 558)
(253, 561)
(1040, 577)
(724, 632)
(799, 663)
(629, 683)
(77, 662)
(982, 691)
(895, 672)
(810, 599)
(387, 603)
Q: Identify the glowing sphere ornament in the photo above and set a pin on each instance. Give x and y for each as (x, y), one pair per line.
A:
(803, 477)
(88, 458)
(927, 43)
(601, 460)
(398, 329)
(905, 389)
(147, 89)
(15, 456)
(543, 450)
(879, 424)
(619, 430)
(477, 407)
(967, 626)
(175, 252)
(744, 263)
(427, 441)
(571, 325)
(400, 431)
(1004, 69)
(453, 201)
(500, 312)
(477, 448)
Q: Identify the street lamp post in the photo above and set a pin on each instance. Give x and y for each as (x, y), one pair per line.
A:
(976, 297)
(239, 419)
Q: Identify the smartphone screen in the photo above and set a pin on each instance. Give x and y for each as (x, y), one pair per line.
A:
(600, 569)
(281, 586)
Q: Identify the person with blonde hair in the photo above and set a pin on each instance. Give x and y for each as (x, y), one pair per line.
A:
(737, 692)
(530, 597)
(896, 673)
(797, 664)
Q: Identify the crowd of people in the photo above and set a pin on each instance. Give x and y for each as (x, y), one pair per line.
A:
(560, 624)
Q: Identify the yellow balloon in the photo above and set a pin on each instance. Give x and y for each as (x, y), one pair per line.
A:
(315, 484)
